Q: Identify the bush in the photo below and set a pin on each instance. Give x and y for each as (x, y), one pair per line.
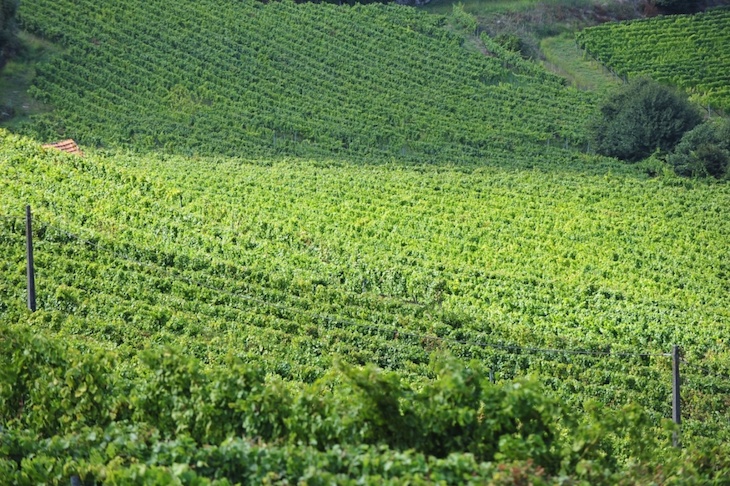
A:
(640, 118)
(703, 151)
(8, 29)
(512, 42)
(463, 20)
(677, 6)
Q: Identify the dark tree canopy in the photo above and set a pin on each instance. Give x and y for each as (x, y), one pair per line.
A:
(640, 118)
(8, 28)
(686, 6)
(704, 150)
(677, 6)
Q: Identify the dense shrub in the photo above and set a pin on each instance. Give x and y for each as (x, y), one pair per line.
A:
(8, 28)
(677, 6)
(640, 118)
(512, 42)
(703, 151)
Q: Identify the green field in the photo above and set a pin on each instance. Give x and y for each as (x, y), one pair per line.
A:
(689, 51)
(323, 245)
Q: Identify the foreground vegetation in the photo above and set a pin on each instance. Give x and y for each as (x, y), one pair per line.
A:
(170, 420)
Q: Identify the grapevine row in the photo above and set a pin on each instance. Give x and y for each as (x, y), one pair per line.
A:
(281, 83)
(690, 51)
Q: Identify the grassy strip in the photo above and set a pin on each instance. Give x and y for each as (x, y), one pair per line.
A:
(563, 57)
(485, 7)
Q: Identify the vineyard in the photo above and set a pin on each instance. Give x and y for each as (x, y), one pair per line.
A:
(689, 51)
(304, 243)
(289, 267)
(246, 78)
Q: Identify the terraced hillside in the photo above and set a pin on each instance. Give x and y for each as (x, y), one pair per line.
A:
(292, 265)
(202, 77)
(689, 51)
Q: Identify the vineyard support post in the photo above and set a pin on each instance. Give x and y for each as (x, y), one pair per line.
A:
(676, 412)
(29, 255)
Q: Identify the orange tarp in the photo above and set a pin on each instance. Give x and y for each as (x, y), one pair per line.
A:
(66, 146)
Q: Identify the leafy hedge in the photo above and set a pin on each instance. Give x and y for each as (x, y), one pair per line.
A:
(640, 118)
(704, 151)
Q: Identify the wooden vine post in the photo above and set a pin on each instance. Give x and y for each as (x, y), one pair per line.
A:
(29, 255)
(676, 412)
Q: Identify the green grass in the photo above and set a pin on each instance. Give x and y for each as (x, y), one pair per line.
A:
(489, 7)
(563, 56)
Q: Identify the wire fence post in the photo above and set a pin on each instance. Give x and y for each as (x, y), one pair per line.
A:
(29, 255)
(676, 412)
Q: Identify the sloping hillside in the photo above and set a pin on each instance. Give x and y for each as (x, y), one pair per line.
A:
(689, 51)
(334, 245)
(246, 77)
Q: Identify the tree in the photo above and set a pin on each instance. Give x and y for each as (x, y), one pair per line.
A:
(640, 118)
(703, 151)
(677, 6)
(8, 29)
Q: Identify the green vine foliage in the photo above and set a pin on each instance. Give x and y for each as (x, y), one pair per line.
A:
(372, 82)
(204, 310)
(188, 425)
(343, 247)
